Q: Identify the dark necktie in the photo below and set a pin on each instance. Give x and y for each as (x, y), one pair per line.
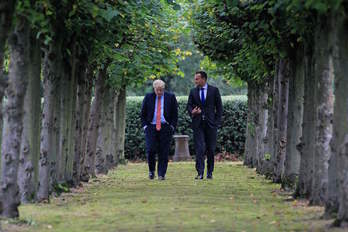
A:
(202, 96)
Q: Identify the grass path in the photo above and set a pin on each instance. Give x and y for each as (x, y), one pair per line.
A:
(126, 200)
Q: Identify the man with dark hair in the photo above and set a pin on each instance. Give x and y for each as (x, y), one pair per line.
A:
(159, 116)
(205, 109)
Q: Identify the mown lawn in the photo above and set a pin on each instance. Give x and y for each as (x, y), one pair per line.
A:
(126, 200)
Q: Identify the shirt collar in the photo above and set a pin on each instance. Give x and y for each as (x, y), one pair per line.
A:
(205, 86)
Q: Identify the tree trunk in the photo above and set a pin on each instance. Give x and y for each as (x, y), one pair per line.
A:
(294, 131)
(30, 145)
(48, 148)
(13, 120)
(306, 147)
(276, 115)
(7, 9)
(86, 113)
(110, 161)
(79, 119)
(120, 125)
(338, 169)
(266, 164)
(92, 134)
(104, 153)
(64, 88)
(324, 109)
(250, 145)
(285, 73)
(68, 168)
(261, 129)
(102, 140)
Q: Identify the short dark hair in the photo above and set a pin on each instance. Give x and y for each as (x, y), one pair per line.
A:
(203, 74)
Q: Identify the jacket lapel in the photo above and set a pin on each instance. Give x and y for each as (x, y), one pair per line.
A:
(197, 96)
(153, 103)
(208, 93)
(165, 99)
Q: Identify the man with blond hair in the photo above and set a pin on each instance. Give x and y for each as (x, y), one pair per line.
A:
(159, 116)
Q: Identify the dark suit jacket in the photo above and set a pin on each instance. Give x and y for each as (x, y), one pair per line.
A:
(212, 107)
(170, 109)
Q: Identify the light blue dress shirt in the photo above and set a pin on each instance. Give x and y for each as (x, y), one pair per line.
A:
(155, 113)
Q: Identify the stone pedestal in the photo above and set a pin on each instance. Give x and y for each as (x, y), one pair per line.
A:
(181, 148)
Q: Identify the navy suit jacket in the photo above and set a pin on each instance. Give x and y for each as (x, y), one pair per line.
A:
(170, 109)
(212, 107)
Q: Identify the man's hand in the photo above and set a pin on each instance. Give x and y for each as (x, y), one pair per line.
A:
(196, 111)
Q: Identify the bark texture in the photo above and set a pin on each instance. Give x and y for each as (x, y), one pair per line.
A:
(250, 144)
(7, 9)
(92, 134)
(306, 147)
(104, 152)
(30, 145)
(266, 164)
(86, 113)
(338, 169)
(294, 131)
(276, 116)
(79, 120)
(120, 125)
(261, 128)
(13, 120)
(48, 151)
(284, 75)
(324, 109)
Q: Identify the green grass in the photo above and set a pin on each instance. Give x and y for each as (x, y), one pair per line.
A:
(126, 200)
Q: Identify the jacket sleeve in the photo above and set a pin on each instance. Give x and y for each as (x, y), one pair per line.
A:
(144, 112)
(219, 109)
(175, 112)
(190, 106)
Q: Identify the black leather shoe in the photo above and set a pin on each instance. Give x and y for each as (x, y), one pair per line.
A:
(151, 175)
(210, 176)
(161, 178)
(199, 177)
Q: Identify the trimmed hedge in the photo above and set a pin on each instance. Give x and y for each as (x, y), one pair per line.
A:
(231, 136)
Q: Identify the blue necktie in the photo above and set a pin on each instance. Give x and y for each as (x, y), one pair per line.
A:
(202, 96)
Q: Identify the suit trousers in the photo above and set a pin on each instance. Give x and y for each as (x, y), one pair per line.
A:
(158, 142)
(204, 138)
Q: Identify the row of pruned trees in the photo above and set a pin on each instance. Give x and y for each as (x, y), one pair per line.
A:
(65, 66)
(293, 55)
